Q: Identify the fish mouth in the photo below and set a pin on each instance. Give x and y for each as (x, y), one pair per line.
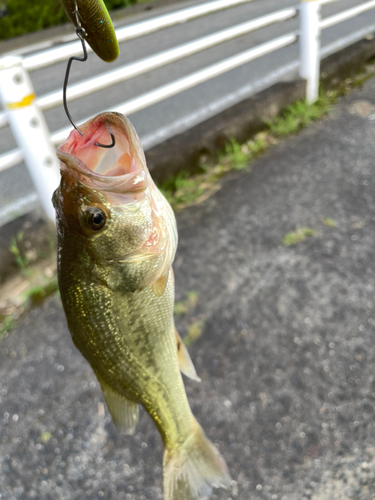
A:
(118, 169)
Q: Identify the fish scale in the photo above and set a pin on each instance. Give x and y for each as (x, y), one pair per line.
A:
(102, 317)
(117, 238)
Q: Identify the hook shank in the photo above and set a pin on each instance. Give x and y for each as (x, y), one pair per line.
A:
(81, 34)
(66, 79)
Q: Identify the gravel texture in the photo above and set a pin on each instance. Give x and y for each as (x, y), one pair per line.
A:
(286, 354)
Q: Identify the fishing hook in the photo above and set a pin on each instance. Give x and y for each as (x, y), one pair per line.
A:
(80, 31)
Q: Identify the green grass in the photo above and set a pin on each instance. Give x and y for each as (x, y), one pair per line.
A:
(235, 157)
(185, 189)
(300, 114)
(297, 236)
(7, 323)
(45, 437)
(25, 16)
(194, 332)
(361, 78)
(182, 189)
(33, 296)
(329, 222)
(184, 306)
(37, 294)
(15, 249)
(27, 252)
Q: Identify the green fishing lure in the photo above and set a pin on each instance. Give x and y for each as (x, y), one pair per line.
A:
(94, 18)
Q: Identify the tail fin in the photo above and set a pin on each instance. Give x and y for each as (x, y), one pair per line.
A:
(193, 469)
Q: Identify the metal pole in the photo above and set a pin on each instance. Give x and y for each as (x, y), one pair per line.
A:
(310, 47)
(29, 129)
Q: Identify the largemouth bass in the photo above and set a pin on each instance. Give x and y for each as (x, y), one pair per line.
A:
(93, 16)
(117, 239)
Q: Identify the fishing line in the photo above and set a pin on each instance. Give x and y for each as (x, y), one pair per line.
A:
(80, 32)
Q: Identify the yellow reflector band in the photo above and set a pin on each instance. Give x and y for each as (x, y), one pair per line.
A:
(26, 101)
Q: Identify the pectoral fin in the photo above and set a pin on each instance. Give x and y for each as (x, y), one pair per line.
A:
(184, 361)
(159, 287)
(124, 412)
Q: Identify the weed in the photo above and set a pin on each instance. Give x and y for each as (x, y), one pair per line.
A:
(184, 190)
(300, 234)
(194, 332)
(38, 293)
(236, 157)
(180, 308)
(45, 437)
(49, 247)
(7, 323)
(20, 258)
(192, 298)
(300, 114)
(361, 79)
(329, 222)
(358, 80)
(34, 295)
(184, 306)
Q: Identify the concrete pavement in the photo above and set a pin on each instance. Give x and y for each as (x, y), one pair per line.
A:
(286, 354)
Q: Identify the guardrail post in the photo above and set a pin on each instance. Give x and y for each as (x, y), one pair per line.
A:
(310, 47)
(29, 129)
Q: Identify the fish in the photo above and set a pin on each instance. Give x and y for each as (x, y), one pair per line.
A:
(94, 18)
(117, 239)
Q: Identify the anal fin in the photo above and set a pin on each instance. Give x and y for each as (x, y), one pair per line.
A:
(184, 361)
(124, 412)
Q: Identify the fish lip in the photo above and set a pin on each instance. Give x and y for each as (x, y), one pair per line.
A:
(134, 181)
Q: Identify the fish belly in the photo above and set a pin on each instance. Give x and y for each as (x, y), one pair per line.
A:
(129, 341)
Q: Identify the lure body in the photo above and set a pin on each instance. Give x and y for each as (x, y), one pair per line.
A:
(94, 18)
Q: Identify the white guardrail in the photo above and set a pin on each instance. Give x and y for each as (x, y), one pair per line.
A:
(23, 110)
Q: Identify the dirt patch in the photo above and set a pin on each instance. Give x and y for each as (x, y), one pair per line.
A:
(362, 108)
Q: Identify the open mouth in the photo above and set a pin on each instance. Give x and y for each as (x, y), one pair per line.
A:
(109, 168)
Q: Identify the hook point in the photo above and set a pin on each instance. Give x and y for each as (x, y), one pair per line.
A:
(107, 145)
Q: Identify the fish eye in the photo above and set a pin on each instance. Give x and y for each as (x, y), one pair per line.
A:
(95, 218)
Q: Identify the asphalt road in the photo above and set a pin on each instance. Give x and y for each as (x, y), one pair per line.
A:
(286, 355)
(163, 120)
